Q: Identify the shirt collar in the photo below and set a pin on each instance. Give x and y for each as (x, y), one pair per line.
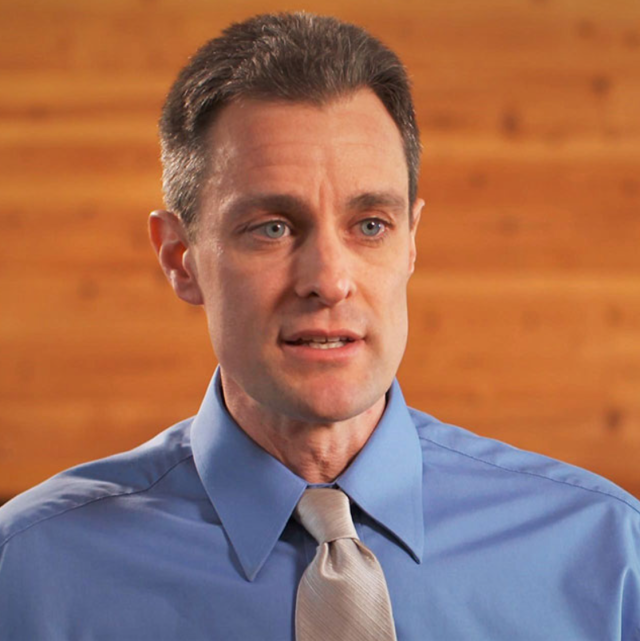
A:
(385, 479)
(255, 495)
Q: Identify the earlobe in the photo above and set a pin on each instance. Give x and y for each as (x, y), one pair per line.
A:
(416, 211)
(169, 239)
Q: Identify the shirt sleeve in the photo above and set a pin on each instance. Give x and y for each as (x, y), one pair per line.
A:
(630, 623)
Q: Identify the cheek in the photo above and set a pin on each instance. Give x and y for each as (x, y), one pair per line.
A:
(397, 307)
(390, 288)
(244, 301)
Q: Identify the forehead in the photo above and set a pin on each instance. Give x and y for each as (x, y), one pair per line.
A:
(351, 143)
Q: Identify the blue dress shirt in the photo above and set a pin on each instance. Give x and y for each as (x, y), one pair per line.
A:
(190, 537)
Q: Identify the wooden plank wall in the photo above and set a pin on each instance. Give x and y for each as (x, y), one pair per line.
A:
(525, 321)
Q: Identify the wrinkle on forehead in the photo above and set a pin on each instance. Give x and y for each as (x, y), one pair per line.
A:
(229, 134)
(320, 154)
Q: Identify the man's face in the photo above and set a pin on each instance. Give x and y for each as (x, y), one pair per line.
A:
(304, 237)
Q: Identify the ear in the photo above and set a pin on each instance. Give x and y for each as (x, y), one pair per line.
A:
(416, 210)
(170, 241)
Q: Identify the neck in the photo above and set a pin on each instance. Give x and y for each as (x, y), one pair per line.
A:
(316, 451)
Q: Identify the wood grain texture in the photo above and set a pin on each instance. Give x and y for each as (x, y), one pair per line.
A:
(525, 307)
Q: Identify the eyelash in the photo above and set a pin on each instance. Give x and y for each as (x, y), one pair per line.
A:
(275, 221)
(385, 227)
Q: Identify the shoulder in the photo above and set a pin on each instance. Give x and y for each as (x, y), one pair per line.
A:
(449, 448)
(125, 474)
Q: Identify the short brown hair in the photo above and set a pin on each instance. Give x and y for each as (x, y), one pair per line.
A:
(295, 57)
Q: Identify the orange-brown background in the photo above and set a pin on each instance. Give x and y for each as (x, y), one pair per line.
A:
(525, 321)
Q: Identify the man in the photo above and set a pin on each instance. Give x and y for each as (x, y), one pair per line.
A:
(291, 155)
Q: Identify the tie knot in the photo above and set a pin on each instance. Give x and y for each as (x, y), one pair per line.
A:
(325, 514)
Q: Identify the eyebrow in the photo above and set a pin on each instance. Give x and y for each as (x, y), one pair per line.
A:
(378, 200)
(283, 203)
(291, 205)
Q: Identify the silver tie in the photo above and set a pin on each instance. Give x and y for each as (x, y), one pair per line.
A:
(343, 594)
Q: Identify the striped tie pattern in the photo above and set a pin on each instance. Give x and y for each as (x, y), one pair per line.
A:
(342, 595)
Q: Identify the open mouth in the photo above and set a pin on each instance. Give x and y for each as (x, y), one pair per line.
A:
(323, 342)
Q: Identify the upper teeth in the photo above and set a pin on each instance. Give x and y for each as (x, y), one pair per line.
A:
(323, 339)
(327, 345)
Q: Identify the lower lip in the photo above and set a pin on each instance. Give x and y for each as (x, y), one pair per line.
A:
(319, 355)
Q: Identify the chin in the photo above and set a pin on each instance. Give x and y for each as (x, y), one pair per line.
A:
(333, 403)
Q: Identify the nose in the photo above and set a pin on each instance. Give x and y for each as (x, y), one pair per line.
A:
(323, 268)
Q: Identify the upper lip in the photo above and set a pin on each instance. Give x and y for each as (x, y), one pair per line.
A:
(309, 334)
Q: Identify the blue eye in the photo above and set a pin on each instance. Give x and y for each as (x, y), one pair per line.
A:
(372, 227)
(274, 229)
